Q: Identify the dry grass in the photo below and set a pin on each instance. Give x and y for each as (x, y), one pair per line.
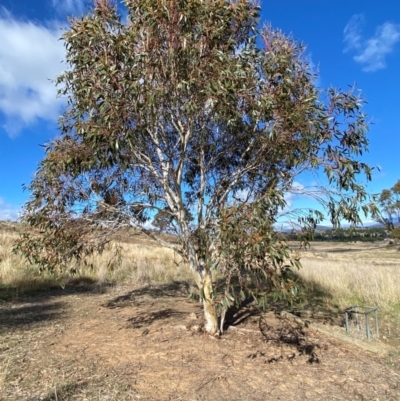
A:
(15, 273)
(344, 273)
(354, 274)
(141, 263)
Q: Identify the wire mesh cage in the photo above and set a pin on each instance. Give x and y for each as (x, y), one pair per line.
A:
(357, 317)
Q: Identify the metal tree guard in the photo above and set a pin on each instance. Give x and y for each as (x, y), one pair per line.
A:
(357, 310)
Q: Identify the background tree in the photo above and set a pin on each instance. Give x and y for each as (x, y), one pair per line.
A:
(184, 107)
(165, 220)
(389, 202)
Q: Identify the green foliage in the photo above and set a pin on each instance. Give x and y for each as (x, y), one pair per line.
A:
(184, 107)
(165, 220)
(255, 260)
(389, 202)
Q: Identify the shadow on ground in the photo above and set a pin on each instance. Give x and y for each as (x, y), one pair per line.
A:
(170, 290)
(30, 314)
(291, 335)
(40, 303)
(147, 318)
(64, 393)
(30, 291)
(313, 303)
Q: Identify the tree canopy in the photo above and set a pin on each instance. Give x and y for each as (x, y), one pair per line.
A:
(389, 213)
(189, 110)
(389, 201)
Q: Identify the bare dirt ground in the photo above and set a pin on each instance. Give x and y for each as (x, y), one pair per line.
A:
(116, 343)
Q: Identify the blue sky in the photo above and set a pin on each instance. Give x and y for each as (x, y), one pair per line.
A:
(348, 41)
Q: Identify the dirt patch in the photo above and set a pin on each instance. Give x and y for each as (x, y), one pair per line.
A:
(132, 345)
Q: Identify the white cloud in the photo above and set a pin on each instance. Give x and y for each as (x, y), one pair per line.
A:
(149, 226)
(372, 52)
(242, 195)
(291, 196)
(8, 212)
(30, 56)
(352, 32)
(315, 70)
(373, 55)
(296, 190)
(73, 7)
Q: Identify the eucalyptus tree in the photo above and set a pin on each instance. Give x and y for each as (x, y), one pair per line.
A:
(189, 109)
(389, 210)
(389, 202)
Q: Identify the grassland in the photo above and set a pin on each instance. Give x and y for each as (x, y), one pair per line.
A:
(115, 331)
(334, 275)
(142, 262)
(341, 274)
(351, 273)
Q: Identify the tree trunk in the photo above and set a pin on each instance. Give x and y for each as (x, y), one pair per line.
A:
(210, 311)
(204, 282)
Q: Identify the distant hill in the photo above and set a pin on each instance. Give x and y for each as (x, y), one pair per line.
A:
(125, 235)
(368, 225)
(373, 225)
(323, 228)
